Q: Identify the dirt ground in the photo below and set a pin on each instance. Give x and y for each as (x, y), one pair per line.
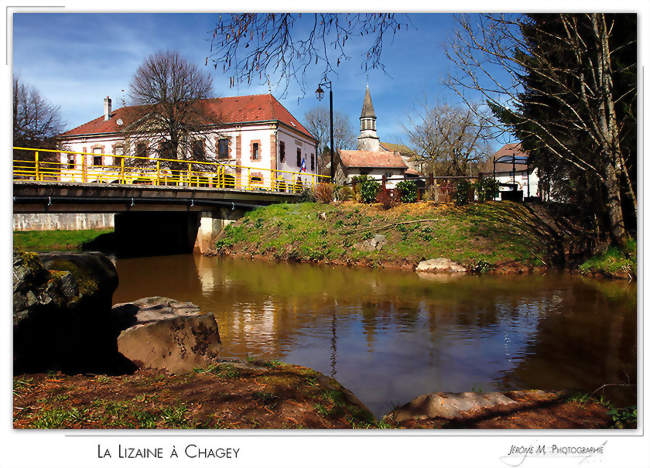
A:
(228, 396)
(235, 395)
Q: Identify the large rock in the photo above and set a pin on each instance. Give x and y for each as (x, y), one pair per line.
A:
(61, 315)
(468, 405)
(163, 333)
(374, 243)
(440, 265)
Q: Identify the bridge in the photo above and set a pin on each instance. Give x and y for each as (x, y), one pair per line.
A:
(159, 203)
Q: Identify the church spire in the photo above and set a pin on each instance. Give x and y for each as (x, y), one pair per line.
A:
(368, 139)
(368, 110)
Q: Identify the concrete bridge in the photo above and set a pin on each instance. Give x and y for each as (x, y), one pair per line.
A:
(149, 219)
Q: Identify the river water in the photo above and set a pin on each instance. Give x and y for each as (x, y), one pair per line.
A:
(390, 336)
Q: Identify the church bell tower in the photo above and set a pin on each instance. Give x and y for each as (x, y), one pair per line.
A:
(368, 139)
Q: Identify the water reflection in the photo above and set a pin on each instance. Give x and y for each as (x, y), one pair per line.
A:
(390, 336)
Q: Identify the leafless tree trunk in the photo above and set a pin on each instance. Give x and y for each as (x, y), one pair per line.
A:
(493, 59)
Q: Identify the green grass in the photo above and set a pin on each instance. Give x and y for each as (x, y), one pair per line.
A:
(478, 235)
(615, 261)
(43, 241)
(59, 418)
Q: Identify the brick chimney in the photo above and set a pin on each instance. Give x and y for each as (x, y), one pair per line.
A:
(107, 108)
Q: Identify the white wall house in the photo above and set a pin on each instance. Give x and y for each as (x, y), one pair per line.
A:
(500, 166)
(250, 136)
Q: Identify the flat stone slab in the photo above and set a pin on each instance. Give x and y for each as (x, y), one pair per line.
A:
(439, 265)
(465, 405)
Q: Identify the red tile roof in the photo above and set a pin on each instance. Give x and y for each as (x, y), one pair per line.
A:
(384, 159)
(226, 110)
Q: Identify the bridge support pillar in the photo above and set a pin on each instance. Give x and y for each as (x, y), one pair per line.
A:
(211, 224)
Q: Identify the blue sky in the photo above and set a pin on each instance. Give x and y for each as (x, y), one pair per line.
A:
(75, 60)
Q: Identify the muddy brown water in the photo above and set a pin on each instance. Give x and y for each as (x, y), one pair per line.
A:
(390, 336)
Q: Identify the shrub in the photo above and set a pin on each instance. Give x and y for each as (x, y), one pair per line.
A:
(369, 188)
(306, 195)
(487, 188)
(463, 192)
(324, 193)
(387, 200)
(343, 193)
(408, 191)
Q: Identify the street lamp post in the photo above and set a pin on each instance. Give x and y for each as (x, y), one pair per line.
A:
(319, 96)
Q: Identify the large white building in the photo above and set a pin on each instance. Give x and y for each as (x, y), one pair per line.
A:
(255, 140)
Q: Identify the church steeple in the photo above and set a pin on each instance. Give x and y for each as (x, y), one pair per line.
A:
(368, 139)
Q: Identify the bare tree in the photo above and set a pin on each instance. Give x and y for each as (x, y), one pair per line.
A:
(36, 122)
(317, 121)
(168, 113)
(252, 46)
(549, 79)
(449, 140)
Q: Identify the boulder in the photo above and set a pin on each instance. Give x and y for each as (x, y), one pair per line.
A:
(468, 405)
(61, 315)
(162, 333)
(440, 265)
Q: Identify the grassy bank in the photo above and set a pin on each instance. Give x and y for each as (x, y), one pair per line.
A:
(44, 241)
(482, 236)
(614, 262)
(226, 396)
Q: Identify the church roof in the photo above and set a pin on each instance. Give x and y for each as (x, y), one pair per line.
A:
(371, 159)
(402, 149)
(368, 110)
(225, 110)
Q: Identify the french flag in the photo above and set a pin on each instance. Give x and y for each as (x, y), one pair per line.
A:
(303, 166)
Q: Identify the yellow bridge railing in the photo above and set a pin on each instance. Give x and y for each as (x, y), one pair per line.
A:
(45, 165)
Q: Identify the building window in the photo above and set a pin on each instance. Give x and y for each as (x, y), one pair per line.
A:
(141, 150)
(97, 158)
(298, 158)
(71, 161)
(312, 161)
(222, 148)
(119, 150)
(255, 154)
(198, 149)
(165, 150)
(282, 151)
